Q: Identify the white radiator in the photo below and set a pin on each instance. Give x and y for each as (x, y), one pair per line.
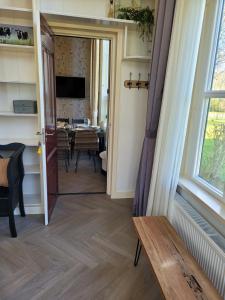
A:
(202, 240)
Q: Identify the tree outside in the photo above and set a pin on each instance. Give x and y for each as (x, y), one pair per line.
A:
(212, 167)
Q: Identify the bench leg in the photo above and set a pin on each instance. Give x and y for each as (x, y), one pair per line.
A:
(138, 252)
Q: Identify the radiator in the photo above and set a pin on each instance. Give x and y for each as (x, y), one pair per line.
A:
(205, 243)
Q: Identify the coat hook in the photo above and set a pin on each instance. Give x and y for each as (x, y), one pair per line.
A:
(147, 83)
(138, 83)
(130, 83)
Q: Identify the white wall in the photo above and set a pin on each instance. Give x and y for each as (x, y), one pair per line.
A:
(133, 107)
(132, 103)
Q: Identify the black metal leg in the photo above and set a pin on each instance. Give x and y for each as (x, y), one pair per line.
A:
(94, 162)
(68, 157)
(12, 225)
(66, 165)
(77, 159)
(21, 204)
(137, 253)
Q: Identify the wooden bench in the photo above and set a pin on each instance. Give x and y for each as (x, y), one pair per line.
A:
(178, 274)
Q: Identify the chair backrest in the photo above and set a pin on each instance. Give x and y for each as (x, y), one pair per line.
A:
(15, 172)
(62, 139)
(86, 140)
(80, 121)
(65, 120)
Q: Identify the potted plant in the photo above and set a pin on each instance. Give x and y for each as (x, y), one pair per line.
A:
(144, 17)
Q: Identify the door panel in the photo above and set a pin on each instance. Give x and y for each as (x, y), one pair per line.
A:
(50, 114)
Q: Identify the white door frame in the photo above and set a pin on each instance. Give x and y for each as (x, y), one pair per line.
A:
(88, 30)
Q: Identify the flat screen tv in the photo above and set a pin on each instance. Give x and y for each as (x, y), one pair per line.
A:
(70, 87)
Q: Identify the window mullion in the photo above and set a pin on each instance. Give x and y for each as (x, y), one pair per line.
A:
(215, 94)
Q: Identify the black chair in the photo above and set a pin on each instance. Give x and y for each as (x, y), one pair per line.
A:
(12, 195)
(65, 120)
(63, 147)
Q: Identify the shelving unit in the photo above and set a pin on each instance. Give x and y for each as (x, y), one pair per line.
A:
(13, 9)
(13, 47)
(29, 142)
(11, 114)
(58, 16)
(32, 169)
(18, 82)
(135, 49)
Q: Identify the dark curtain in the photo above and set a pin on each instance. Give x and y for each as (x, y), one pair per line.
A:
(164, 23)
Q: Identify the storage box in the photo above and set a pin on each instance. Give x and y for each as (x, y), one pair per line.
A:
(25, 106)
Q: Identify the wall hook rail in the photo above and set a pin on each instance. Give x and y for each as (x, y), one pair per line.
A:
(136, 84)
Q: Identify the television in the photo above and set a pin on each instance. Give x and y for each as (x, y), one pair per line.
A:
(70, 87)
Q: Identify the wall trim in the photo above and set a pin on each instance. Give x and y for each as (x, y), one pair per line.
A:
(122, 195)
(36, 209)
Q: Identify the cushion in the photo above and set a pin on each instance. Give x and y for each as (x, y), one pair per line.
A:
(3, 171)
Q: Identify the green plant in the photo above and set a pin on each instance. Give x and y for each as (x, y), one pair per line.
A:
(144, 18)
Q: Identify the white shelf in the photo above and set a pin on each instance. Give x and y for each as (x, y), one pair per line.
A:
(32, 142)
(32, 169)
(16, 9)
(12, 47)
(58, 16)
(11, 114)
(32, 199)
(137, 58)
(18, 82)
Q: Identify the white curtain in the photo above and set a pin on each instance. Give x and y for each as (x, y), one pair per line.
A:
(176, 103)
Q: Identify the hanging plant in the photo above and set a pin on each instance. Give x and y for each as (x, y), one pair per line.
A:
(144, 18)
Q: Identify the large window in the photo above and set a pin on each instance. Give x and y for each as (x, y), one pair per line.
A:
(205, 154)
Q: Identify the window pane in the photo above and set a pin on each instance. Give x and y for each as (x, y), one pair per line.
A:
(219, 71)
(212, 167)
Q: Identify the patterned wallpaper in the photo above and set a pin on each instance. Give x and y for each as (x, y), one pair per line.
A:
(72, 58)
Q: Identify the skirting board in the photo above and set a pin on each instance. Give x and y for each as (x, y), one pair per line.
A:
(31, 210)
(122, 195)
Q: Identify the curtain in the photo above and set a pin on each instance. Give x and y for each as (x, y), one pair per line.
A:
(176, 102)
(164, 22)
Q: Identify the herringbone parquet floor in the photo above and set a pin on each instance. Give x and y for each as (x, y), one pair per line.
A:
(85, 180)
(85, 253)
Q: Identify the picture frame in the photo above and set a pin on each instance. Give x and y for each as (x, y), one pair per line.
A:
(16, 35)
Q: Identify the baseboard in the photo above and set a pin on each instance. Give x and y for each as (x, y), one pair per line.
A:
(122, 195)
(35, 209)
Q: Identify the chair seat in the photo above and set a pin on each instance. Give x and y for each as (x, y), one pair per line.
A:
(4, 191)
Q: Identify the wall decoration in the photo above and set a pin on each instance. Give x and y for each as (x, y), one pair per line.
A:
(16, 35)
(72, 58)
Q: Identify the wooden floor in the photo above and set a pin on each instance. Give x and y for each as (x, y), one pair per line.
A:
(85, 180)
(85, 253)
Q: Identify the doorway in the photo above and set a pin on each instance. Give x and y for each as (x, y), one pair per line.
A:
(57, 26)
(82, 67)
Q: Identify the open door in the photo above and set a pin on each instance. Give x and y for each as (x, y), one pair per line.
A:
(49, 107)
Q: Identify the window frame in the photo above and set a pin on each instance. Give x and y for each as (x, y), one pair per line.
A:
(200, 99)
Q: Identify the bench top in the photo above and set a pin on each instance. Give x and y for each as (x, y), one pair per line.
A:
(178, 273)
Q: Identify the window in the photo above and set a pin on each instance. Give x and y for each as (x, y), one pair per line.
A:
(204, 161)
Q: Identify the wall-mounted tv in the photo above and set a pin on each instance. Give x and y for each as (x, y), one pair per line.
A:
(70, 87)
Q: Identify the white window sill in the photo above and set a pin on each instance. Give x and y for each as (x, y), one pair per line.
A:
(214, 206)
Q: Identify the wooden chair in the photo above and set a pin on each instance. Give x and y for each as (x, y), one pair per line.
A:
(11, 193)
(86, 140)
(63, 147)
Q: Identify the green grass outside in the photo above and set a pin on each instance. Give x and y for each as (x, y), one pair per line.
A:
(212, 166)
